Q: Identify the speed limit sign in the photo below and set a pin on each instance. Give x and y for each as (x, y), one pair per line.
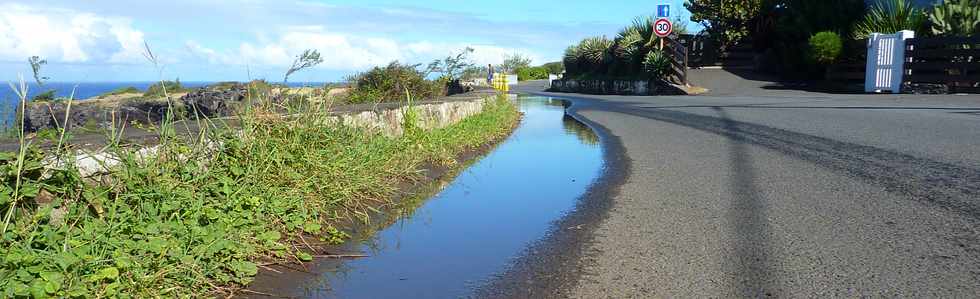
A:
(662, 27)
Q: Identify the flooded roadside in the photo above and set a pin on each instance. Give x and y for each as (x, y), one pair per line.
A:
(478, 223)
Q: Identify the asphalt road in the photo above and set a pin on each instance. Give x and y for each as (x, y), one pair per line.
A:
(755, 191)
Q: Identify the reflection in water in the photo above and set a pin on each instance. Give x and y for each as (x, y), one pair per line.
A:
(473, 227)
(580, 130)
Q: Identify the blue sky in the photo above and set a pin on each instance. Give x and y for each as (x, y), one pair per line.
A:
(214, 40)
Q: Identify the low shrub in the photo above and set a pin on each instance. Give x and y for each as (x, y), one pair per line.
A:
(119, 91)
(657, 65)
(393, 83)
(157, 89)
(825, 47)
(47, 96)
(532, 73)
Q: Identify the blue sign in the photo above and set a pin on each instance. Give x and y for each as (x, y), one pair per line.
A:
(663, 11)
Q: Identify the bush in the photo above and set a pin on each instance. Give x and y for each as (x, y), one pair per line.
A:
(657, 65)
(532, 73)
(156, 90)
(956, 17)
(119, 91)
(590, 56)
(890, 16)
(825, 47)
(554, 67)
(47, 96)
(390, 84)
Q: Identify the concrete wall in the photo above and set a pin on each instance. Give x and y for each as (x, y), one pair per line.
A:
(615, 87)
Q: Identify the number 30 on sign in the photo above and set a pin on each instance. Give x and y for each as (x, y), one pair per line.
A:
(662, 27)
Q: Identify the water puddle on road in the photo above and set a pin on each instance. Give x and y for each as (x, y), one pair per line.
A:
(483, 219)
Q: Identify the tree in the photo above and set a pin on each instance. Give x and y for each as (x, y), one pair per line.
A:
(726, 20)
(36, 63)
(308, 59)
(514, 62)
(452, 67)
(554, 67)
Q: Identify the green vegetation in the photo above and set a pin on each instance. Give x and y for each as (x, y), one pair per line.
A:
(825, 47)
(453, 66)
(119, 91)
(308, 59)
(725, 20)
(532, 73)
(198, 217)
(554, 67)
(656, 64)
(161, 89)
(393, 82)
(956, 17)
(889, 16)
(47, 96)
(514, 62)
(633, 54)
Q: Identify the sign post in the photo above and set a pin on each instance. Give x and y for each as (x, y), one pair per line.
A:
(662, 28)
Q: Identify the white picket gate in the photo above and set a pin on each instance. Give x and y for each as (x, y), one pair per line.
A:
(886, 61)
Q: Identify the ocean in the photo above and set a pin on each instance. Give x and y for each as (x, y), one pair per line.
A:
(92, 89)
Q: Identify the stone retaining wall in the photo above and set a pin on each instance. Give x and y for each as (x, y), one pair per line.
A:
(616, 87)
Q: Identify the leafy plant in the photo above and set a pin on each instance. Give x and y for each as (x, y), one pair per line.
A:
(308, 59)
(514, 62)
(36, 63)
(121, 90)
(393, 82)
(725, 20)
(890, 16)
(452, 67)
(825, 47)
(47, 96)
(657, 65)
(532, 73)
(554, 67)
(956, 17)
(162, 88)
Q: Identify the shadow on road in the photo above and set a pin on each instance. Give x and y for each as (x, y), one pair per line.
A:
(748, 217)
(771, 106)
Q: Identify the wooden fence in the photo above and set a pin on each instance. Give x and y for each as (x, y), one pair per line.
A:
(679, 58)
(954, 61)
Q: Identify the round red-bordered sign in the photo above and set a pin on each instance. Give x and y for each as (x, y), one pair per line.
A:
(663, 27)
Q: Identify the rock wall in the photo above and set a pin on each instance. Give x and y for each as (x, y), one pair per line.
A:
(390, 119)
(616, 87)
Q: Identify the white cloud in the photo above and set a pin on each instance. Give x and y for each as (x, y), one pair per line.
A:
(343, 51)
(61, 35)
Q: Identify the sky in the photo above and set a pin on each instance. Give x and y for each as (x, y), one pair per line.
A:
(223, 40)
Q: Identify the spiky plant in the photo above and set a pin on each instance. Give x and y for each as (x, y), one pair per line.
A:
(956, 17)
(657, 64)
(890, 16)
(594, 52)
(571, 61)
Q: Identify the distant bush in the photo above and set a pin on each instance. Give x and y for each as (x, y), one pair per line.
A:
(532, 73)
(119, 91)
(47, 96)
(825, 47)
(657, 64)
(156, 90)
(554, 67)
(390, 83)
